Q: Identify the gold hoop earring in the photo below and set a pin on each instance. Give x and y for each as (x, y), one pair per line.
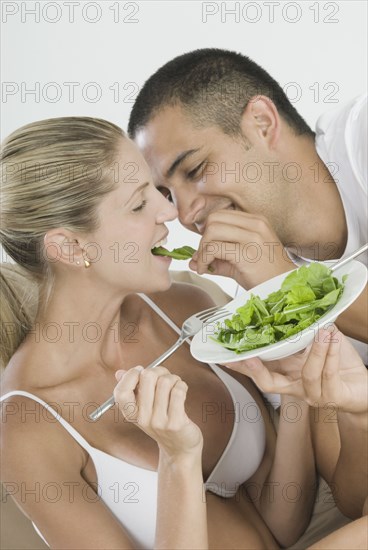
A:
(86, 263)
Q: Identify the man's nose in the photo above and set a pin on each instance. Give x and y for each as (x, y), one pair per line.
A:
(189, 208)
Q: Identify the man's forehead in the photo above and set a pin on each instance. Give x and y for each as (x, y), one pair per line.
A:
(164, 138)
(168, 128)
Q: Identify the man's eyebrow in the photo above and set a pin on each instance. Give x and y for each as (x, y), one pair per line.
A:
(143, 186)
(179, 159)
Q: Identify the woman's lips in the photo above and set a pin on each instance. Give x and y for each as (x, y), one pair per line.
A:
(163, 258)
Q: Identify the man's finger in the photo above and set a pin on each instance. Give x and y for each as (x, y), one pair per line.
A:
(233, 253)
(252, 222)
(267, 381)
(313, 367)
(330, 374)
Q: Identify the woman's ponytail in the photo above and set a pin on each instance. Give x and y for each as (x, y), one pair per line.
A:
(19, 301)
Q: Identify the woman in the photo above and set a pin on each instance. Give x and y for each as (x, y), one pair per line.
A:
(80, 213)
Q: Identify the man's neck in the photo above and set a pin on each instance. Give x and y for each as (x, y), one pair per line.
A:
(319, 226)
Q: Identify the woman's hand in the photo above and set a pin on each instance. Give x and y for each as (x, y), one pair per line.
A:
(154, 399)
(330, 371)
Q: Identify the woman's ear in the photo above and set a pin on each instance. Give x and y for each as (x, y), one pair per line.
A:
(61, 245)
(260, 122)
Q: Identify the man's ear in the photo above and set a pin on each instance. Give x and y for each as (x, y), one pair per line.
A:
(260, 121)
(61, 245)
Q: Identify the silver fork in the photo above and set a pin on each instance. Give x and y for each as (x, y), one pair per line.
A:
(189, 328)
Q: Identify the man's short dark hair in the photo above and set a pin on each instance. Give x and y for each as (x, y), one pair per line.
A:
(214, 87)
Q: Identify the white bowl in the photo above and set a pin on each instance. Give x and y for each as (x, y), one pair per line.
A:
(204, 349)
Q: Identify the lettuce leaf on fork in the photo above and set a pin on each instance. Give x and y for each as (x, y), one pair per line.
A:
(305, 295)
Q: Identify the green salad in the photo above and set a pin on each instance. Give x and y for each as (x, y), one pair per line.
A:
(305, 295)
(183, 253)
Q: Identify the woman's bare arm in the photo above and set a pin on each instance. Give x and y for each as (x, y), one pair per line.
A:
(158, 399)
(41, 466)
(181, 514)
(40, 459)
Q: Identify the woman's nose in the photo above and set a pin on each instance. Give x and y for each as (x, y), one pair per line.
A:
(167, 212)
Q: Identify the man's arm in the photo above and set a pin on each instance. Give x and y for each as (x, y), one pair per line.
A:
(354, 321)
(350, 476)
(354, 536)
(330, 377)
(289, 490)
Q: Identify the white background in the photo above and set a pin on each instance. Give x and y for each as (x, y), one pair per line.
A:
(316, 50)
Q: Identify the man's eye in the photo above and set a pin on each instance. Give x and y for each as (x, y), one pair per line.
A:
(196, 171)
(166, 193)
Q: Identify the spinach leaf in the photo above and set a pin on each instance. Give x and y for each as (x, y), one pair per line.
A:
(183, 253)
(305, 295)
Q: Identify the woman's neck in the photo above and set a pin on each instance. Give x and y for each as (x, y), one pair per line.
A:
(81, 325)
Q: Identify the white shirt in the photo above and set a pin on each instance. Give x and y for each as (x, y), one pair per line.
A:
(341, 143)
(341, 139)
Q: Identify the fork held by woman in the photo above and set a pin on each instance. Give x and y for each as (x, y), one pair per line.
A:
(190, 327)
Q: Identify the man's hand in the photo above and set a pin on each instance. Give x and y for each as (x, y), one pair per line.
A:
(241, 246)
(330, 372)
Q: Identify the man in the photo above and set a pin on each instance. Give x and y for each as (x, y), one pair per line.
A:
(247, 173)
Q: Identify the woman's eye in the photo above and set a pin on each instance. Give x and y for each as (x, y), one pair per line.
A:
(195, 172)
(166, 193)
(140, 207)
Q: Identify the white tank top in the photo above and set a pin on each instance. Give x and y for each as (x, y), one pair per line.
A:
(130, 492)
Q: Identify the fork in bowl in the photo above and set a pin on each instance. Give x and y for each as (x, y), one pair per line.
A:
(299, 262)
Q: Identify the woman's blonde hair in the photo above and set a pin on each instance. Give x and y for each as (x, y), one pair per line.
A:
(53, 174)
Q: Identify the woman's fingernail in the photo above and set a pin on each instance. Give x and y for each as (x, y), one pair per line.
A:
(139, 367)
(119, 374)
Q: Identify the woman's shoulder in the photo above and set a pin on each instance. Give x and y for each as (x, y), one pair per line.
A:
(217, 294)
(27, 426)
(183, 299)
(31, 437)
(28, 370)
